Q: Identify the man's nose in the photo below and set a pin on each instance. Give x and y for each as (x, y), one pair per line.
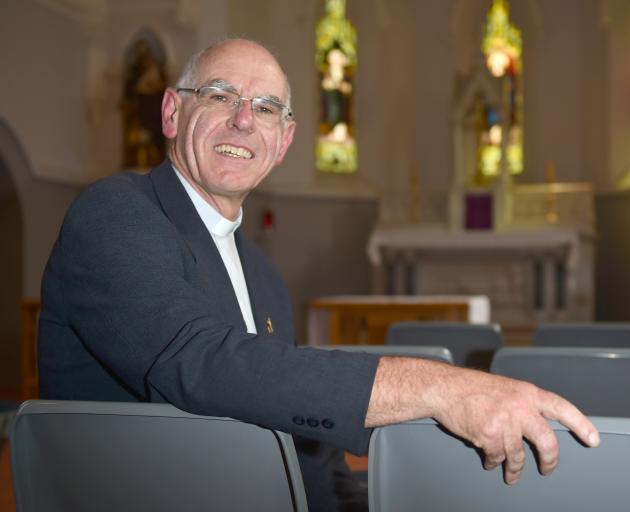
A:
(242, 117)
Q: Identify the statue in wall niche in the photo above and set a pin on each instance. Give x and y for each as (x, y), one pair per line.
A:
(145, 81)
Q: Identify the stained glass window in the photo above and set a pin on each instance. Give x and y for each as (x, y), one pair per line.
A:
(336, 60)
(502, 47)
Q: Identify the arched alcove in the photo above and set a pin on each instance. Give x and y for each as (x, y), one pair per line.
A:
(35, 225)
(145, 78)
(489, 112)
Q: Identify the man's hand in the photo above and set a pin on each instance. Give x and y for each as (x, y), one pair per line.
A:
(493, 412)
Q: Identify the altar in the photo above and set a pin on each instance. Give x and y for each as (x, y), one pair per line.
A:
(529, 276)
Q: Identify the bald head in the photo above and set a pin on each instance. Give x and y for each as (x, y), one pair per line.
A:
(191, 74)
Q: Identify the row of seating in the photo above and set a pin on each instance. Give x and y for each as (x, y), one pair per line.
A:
(115, 456)
(588, 363)
(127, 457)
(473, 345)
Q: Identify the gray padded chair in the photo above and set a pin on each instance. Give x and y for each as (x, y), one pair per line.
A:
(594, 334)
(471, 345)
(417, 466)
(101, 456)
(596, 380)
(425, 352)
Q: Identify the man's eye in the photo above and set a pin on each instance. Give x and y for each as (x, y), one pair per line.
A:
(218, 98)
(267, 109)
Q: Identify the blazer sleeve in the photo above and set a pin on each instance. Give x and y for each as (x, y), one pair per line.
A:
(129, 296)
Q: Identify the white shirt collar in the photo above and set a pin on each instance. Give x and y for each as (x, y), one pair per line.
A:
(216, 223)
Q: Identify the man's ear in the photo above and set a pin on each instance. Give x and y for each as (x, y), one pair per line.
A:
(287, 138)
(170, 111)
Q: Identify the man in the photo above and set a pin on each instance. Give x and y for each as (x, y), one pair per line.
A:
(151, 294)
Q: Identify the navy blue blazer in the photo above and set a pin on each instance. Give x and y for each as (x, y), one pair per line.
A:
(137, 305)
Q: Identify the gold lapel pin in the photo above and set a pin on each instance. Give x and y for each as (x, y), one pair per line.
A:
(269, 325)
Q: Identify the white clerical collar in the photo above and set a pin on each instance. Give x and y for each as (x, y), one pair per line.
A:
(216, 223)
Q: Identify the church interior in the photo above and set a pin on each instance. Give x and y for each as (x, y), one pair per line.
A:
(400, 217)
(423, 164)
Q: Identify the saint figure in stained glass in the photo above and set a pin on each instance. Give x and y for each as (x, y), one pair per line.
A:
(336, 59)
(502, 47)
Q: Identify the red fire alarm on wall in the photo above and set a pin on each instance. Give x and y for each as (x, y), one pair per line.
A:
(268, 220)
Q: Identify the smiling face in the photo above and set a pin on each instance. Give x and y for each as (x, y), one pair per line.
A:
(225, 155)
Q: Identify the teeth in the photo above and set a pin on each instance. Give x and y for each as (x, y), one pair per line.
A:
(234, 152)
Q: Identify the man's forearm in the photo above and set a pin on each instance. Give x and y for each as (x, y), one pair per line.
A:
(404, 389)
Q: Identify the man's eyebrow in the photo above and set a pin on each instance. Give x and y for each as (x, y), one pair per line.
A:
(222, 84)
(272, 98)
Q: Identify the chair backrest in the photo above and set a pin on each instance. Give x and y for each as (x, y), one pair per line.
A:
(471, 345)
(417, 466)
(424, 352)
(101, 456)
(594, 334)
(596, 380)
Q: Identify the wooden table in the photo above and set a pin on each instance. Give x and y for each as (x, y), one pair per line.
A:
(365, 319)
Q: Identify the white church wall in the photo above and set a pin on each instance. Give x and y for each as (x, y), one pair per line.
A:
(554, 103)
(618, 94)
(595, 83)
(42, 94)
(291, 36)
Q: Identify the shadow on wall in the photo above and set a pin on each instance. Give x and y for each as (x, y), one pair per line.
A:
(11, 272)
(612, 267)
(31, 212)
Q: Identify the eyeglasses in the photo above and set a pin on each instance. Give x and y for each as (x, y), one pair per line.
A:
(218, 99)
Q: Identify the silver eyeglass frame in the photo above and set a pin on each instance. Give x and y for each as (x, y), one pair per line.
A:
(286, 112)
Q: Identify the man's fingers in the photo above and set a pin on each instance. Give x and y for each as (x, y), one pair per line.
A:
(557, 408)
(493, 450)
(515, 455)
(493, 460)
(540, 434)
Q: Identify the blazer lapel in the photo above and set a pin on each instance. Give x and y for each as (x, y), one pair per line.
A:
(267, 315)
(180, 210)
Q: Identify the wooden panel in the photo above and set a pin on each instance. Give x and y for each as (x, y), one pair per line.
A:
(28, 347)
(7, 500)
(368, 323)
